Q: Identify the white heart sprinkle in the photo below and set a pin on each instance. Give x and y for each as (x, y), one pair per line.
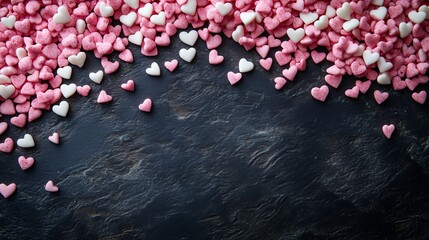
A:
(322, 23)
(4, 79)
(96, 77)
(26, 142)
(105, 10)
(238, 33)
(383, 66)
(424, 8)
(134, 4)
(68, 90)
(370, 57)
(9, 21)
(80, 26)
(62, 16)
(295, 35)
(405, 29)
(154, 70)
(223, 8)
(344, 11)
(350, 24)
(245, 66)
(78, 59)
(377, 2)
(308, 18)
(158, 19)
(65, 72)
(21, 53)
(190, 7)
(61, 109)
(247, 17)
(379, 13)
(422, 55)
(6, 91)
(383, 79)
(146, 11)
(417, 17)
(187, 54)
(136, 38)
(330, 11)
(189, 37)
(128, 19)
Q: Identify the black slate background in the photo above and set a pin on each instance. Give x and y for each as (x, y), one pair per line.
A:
(214, 161)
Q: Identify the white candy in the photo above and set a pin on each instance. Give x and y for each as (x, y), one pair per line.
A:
(62, 16)
(21, 53)
(187, 54)
(65, 72)
(158, 19)
(377, 2)
(6, 91)
(383, 66)
(154, 70)
(190, 7)
(350, 24)
(295, 35)
(9, 21)
(4, 79)
(189, 37)
(379, 13)
(96, 77)
(308, 18)
(128, 19)
(417, 17)
(105, 10)
(68, 90)
(245, 66)
(322, 23)
(238, 33)
(330, 11)
(136, 38)
(134, 4)
(223, 8)
(80, 26)
(247, 17)
(383, 79)
(78, 59)
(26, 142)
(424, 8)
(61, 109)
(146, 11)
(344, 11)
(370, 57)
(405, 29)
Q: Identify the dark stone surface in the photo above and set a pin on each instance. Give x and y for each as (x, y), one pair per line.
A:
(214, 161)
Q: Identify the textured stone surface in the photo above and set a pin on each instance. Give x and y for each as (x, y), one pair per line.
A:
(223, 162)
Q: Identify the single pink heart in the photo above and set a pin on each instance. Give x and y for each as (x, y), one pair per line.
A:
(388, 130)
(412, 83)
(398, 84)
(103, 97)
(280, 82)
(353, 92)
(282, 58)
(7, 145)
(215, 58)
(273, 42)
(19, 120)
(50, 187)
(290, 73)
(233, 78)
(34, 114)
(380, 97)
(320, 93)
(213, 41)
(3, 127)
(129, 86)
(163, 40)
(146, 106)
(263, 50)
(171, 65)
(126, 56)
(109, 67)
(83, 90)
(363, 86)
(317, 56)
(204, 34)
(266, 63)
(420, 97)
(54, 138)
(7, 190)
(25, 163)
(333, 80)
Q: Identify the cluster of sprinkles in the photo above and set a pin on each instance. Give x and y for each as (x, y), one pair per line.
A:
(383, 42)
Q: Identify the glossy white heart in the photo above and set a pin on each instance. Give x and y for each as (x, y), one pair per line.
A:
(350, 24)
(344, 11)
(146, 10)
(129, 19)
(322, 23)
(78, 59)
(379, 13)
(6, 91)
(21, 53)
(80, 26)
(68, 89)
(8, 21)
(96, 77)
(417, 17)
(223, 8)
(247, 17)
(26, 142)
(383, 79)
(295, 35)
(189, 37)
(377, 2)
(134, 4)
(158, 19)
(105, 10)
(62, 16)
(330, 11)
(65, 72)
(187, 54)
(245, 66)
(136, 38)
(190, 7)
(154, 70)
(4, 79)
(405, 29)
(370, 57)
(238, 33)
(383, 65)
(309, 17)
(61, 109)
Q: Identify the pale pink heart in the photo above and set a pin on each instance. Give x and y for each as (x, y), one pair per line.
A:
(353, 92)
(317, 56)
(50, 187)
(34, 113)
(233, 78)
(363, 86)
(388, 130)
(266, 63)
(19, 120)
(420, 97)
(3, 127)
(7, 190)
(380, 97)
(215, 58)
(7, 145)
(333, 80)
(263, 50)
(204, 34)
(126, 56)
(398, 84)
(320, 93)
(171, 65)
(54, 138)
(273, 42)
(83, 90)
(103, 97)
(109, 67)
(213, 41)
(146, 106)
(280, 82)
(290, 73)
(25, 163)
(129, 86)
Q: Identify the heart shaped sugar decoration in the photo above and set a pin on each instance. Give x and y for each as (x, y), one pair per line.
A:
(380, 97)
(245, 66)
(320, 93)
(405, 29)
(154, 70)
(80, 26)
(54, 138)
(388, 130)
(78, 59)
(129, 19)
(158, 19)
(3, 127)
(146, 10)
(187, 54)
(247, 17)
(103, 97)
(189, 38)
(96, 77)
(309, 17)
(105, 10)
(4, 79)
(62, 16)
(383, 65)
(417, 17)
(50, 187)
(190, 7)
(420, 97)
(7, 190)
(128, 86)
(295, 35)
(65, 72)
(279, 82)
(146, 106)
(9, 21)
(322, 23)
(171, 65)
(233, 78)
(383, 79)
(25, 163)
(370, 57)
(344, 11)
(223, 8)
(134, 4)
(26, 142)
(68, 90)
(7, 145)
(6, 91)
(379, 13)
(61, 109)
(136, 38)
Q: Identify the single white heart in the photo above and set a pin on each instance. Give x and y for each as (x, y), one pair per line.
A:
(190, 7)
(238, 33)
(370, 57)
(96, 77)
(383, 65)
(377, 2)
(424, 8)
(295, 35)
(187, 54)
(417, 17)
(405, 29)
(9, 21)
(62, 16)
(309, 17)
(383, 79)
(223, 8)
(350, 24)
(259, 18)
(344, 11)
(61, 109)
(330, 11)
(189, 37)
(146, 11)
(245, 66)
(154, 70)
(105, 10)
(68, 90)
(379, 13)
(65, 72)
(422, 55)
(80, 26)
(134, 4)
(128, 19)
(6, 91)
(322, 23)
(4, 79)
(136, 38)
(247, 17)
(158, 19)
(21, 53)
(78, 59)
(26, 142)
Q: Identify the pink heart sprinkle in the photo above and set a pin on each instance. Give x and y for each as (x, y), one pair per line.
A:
(233, 78)
(388, 130)
(280, 82)
(19, 120)
(333, 80)
(83, 90)
(320, 93)
(363, 86)
(214, 58)
(3, 127)
(352, 93)
(7, 190)
(103, 97)
(266, 63)
(146, 106)
(7, 145)
(290, 73)
(126, 56)
(420, 97)
(54, 138)
(317, 56)
(109, 67)
(25, 163)
(171, 65)
(380, 97)
(128, 86)
(50, 187)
